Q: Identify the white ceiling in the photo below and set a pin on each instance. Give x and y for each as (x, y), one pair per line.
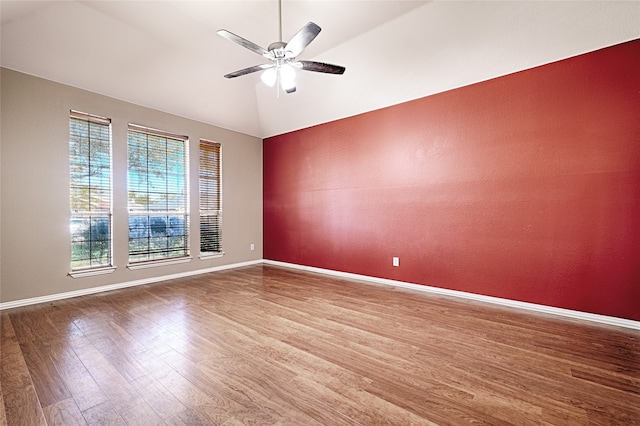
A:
(166, 55)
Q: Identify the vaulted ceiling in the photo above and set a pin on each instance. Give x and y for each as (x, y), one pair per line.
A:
(166, 55)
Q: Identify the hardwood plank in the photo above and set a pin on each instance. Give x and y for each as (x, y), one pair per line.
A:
(75, 376)
(142, 414)
(20, 399)
(216, 397)
(160, 399)
(45, 377)
(32, 323)
(103, 414)
(189, 417)
(114, 386)
(270, 345)
(64, 413)
(610, 380)
(3, 414)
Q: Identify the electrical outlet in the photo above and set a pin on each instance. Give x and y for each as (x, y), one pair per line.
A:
(396, 261)
(253, 247)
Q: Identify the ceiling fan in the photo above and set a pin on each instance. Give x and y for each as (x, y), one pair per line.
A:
(283, 56)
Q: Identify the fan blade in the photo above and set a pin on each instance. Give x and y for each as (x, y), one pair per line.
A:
(249, 70)
(302, 39)
(244, 42)
(320, 67)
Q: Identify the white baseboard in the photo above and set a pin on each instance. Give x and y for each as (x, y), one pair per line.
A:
(93, 290)
(602, 319)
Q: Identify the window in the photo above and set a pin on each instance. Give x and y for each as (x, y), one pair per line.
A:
(90, 184)
(158, 195)
(210, 198)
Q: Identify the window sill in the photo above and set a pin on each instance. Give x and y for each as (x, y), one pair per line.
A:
(91, 272)
(207, 256)
(156, 263)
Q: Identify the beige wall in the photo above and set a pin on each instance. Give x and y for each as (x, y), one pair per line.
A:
(35, 187)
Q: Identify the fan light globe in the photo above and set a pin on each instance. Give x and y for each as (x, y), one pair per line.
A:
(287, 85)
(287, 77)
(269, 77)
(287, 72)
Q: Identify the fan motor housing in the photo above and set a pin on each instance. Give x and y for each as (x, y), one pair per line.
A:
(277, 47)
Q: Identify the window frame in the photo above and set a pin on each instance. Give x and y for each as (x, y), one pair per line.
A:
(205, 196)
(153, 256)
(95, 209)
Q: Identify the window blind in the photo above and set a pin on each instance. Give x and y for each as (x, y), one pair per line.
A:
(90, 187)
(210, 197)
(157, 195)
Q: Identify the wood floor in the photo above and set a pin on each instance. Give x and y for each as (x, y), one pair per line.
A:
(266, 345)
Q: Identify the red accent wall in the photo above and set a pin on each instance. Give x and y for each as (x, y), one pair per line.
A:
(525, 187)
